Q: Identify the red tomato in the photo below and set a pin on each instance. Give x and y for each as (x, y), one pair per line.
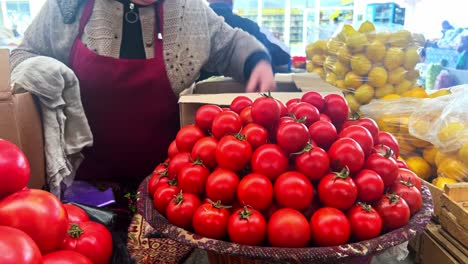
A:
(75, 213)
(365, 222)
(385, 166)
(211, 220)
(42, 210)
(306, 111)
(65, 257)
(187, 137)
(293, 101)
(401, 164)
(337, 190)
(162, 196)
(324, 117)
(314, 99)
(267, 213)
(161, 168)
(313, 163)
(323, 133)
(226, 123)
(330, 227)
(172, 150)
(408, 192)
(233, 152)
(346, 152)
(292, 136)
(91, 239)
(180, 210)
(409, 176)
(389, 140)
(366, 122)
(177, 163)
(336, 108)
(288, 228)
(384, 150)
(362, 136)
(270, 161)
(255, 190)
(273, 130)
(312, 207)
(205, 115)
(222, 185)
(17, 247)
(283, 108)
(247, 227)
(240, 103)
(14, 169)
(394, 211)
(265, 111)
(205, 149)
(192, 179)
(155, 182)
(370, 185)
(293, 190)
(255, 134)
(246, 115)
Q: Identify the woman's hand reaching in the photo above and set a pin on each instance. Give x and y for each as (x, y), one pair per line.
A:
(261, 79)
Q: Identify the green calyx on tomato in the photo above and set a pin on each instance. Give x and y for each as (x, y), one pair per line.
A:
(198, 161)
(301, 120)
(245, 213)
(218, 204)
(163, 174)
(178, 198)
(366, 207)
(308, 148)
(268, 94)
(407, 183)
(343, 174)
(172, 182)
(75, 231)
(240, 136)
(393, 198)
(389, 153)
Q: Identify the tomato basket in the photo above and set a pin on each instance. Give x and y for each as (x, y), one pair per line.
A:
(227, 252)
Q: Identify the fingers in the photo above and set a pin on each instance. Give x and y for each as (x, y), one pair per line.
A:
(252, 84)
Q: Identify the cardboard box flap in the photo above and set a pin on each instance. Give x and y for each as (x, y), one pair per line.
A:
(5, 91)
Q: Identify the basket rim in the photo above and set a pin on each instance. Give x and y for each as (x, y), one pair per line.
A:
(161, 226)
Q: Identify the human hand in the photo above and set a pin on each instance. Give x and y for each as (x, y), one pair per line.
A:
(261, 79)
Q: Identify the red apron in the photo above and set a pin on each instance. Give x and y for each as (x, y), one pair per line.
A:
(131, 109)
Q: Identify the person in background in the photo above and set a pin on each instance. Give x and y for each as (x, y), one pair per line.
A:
(462, 62)
(445, 27)
(224, 8)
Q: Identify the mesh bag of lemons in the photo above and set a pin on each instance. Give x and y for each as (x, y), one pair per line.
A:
(432, 133)
(367, 64)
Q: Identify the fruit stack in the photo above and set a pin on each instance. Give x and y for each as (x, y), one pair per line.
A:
(300, 174)
(367, 64)
(36, 228)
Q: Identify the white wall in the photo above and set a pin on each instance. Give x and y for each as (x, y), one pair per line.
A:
(36, 6)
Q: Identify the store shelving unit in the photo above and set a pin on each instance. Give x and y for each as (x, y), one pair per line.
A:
(385, 13)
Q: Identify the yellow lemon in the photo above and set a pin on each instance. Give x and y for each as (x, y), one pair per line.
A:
(397, 75)
(403, 86)
(451, 131)
(394, 58)
(391, 96)
(343, 55)
(309, 66)
(382, 37)
(340, 70)
(352, 80)
(389, 123)
(463, 153)
(356, 42)
(440, 182)
(340, 84)
(412, 75)
(419, 92)
(419, 166)
(439, 157)
(333, 45)
(366, 27)
(352, 103)
(411, 58)
(376, 51)
(320, 72)
(330, 78)
(452, 168)
(384, 90)
(377, 77)
(317, 48)
(419, 143)
(329, 63)
(318, 59)
(429, 154)
(441, 92)
(346, 32)
(401, 38)
(360, 64)
(364, 94)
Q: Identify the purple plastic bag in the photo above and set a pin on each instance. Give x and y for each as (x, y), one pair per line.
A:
(84, 193)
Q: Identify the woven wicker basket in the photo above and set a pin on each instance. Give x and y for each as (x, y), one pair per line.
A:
(226, 252)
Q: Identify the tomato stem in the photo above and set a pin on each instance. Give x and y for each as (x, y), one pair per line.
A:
(178, 198)
(388, 153)
(308, 147)
(198, 161)
(163, 174)
(407, 183)
(218, 204)
(365, 207)
(343, 174)
(245, 213)
(172, 182)
(240, 136)
(393, 198)
(75, 230)
(355, 116)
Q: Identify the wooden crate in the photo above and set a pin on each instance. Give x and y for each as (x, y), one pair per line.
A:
(435, 248)
(453, 215)
(436, 199)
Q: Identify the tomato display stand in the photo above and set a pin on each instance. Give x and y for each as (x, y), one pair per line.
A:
(227, 252)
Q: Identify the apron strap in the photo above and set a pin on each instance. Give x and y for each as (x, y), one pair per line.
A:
(87, 12)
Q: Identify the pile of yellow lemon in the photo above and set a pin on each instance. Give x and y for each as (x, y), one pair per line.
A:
(367, 64)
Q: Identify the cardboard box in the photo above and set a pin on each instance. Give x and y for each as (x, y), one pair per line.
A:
(221, 91)
(20, 123)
